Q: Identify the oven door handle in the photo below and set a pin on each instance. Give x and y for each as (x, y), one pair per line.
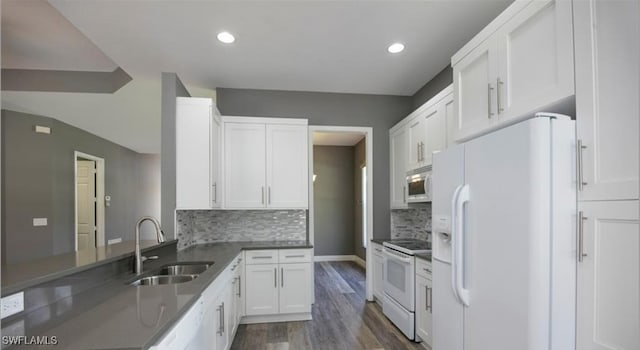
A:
(391, 254)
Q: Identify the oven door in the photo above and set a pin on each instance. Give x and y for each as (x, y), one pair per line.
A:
(399, 269)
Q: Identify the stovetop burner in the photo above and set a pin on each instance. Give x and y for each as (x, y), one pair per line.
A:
(409, 246)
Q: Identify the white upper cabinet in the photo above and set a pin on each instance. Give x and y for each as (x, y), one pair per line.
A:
(287, 168)
(520, 63)
(398, 153)
(194, 138)
(436, 131)
(416, 141)
(474, 83)
(448, 105)
(216, 159)
(244, 165)
(607, 104)
(265, 163)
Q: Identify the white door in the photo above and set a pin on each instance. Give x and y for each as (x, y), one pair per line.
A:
(193, 153)
(295, 288)
(261, 289)
(448, 105)
(609, 277)
(607, 90)
(86, 203)
(436, 132)
(535, 53)
(287, 166)
(244, 165)
(415, 141)
(474, 84)
(216, 159)
(378, 272)
(424, 302)
(398, 151)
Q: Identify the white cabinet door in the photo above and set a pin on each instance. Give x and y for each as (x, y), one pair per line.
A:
(223, 303)
(448, 106)
(535, 53)
(261, 289)
(415, 141)
(609, 276)
(424, 304)
(474, 84)
(287, 166)
(216, 159)
(398, 150)
(378, 271)
(436, 132)
(244, 165)
(607, 90)
(193, 157)
(295, 288)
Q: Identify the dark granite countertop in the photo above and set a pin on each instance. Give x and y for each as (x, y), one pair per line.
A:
(16, 277)
(131, 317)
(380, 240)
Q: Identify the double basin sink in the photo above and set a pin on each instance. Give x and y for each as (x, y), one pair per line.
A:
(173, 273)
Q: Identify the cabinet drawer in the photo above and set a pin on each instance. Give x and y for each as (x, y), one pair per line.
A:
(423, 268)
(255, 257)
(288, 256)
(377, 249)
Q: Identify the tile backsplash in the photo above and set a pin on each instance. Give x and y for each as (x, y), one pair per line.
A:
(210, 226)
(414, 222)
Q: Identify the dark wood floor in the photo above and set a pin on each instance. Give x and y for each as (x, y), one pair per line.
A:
(342, 319)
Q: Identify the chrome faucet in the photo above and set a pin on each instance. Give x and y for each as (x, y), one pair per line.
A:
(160, 236)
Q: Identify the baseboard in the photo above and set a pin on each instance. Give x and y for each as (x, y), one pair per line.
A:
(354, 258)
(305, 316)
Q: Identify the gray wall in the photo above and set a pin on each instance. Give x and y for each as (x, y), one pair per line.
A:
(433, 87)
(377, 111)
(38, 181)
(172, 87)
(334, 204)
(359, 158)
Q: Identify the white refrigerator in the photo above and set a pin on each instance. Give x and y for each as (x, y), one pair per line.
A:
(504, 254)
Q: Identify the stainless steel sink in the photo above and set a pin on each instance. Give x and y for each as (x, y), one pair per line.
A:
(184, 269)
(159, 280)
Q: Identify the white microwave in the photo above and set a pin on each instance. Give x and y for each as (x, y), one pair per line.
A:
(419, 187)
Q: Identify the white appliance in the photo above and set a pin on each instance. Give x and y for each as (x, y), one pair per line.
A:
(419, 186)
(399, 282)
(504, 256)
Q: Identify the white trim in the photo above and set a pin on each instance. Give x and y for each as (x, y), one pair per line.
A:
(368, 132)
(263, 120)
(420, 110)
(306, 316)
(356, 259)
(100, 193)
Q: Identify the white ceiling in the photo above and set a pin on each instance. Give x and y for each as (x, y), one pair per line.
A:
(335, 46)
(36, 36)
(321, 138)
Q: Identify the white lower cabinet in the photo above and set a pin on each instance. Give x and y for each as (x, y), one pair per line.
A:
(609, 276)
(277, 289)
(378, 271)
(424, 301)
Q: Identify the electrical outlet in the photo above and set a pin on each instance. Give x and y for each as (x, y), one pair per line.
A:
(12, 304)
(114, 241)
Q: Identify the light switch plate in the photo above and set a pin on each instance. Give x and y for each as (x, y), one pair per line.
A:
(12, 304)
(40, 222)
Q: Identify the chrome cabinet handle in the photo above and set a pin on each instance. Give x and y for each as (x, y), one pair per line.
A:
(282, 276)
(418, 153)
(427, 270)
(269, 194)
(421, 150)
(220, 320)
(430, 290)
(239, 287)
(498, 95)
(580, 166)
(581, 220)
(262, 194)
(295, 256)
(215, 192)
(489, 111)
(260, 257)
(223, 325)
(275, 277)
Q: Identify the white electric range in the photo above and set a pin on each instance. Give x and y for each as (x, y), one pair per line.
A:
(399, 281)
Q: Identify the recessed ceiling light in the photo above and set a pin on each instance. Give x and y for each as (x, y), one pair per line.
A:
(226, 37)
(395, 48)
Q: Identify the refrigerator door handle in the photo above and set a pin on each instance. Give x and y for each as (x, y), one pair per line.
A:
(463, 197)
(454, 239)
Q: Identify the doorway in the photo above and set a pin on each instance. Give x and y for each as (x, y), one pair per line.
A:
(89, 204)
(341, 191)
